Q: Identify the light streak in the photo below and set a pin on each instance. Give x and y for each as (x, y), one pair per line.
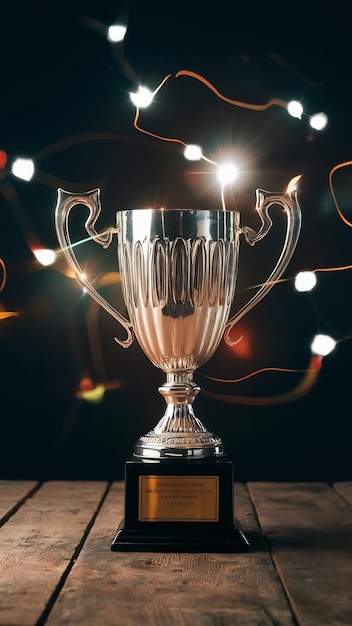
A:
(244, 105)
(341, 268)
(332, 172)
(95, 393)
(304, 386)
(255, 107)
(252, 374)
(4, 274)
(5, 314)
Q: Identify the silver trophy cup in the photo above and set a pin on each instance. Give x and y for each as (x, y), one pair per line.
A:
(178, 273)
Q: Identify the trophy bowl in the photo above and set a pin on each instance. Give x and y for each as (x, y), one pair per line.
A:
(178, 273)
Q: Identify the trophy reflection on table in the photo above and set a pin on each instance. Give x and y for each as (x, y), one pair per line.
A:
(178, 274)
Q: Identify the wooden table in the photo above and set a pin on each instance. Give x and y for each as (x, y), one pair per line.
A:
(57, 567)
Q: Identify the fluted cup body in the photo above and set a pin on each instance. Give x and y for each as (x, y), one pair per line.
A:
(178, 271)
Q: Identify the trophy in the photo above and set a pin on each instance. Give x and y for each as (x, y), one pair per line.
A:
(178, 273)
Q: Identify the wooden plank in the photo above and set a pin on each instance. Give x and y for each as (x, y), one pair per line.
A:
(309, 530)
(345, 490)
(12, 495)
(37, 545)
(176, 589)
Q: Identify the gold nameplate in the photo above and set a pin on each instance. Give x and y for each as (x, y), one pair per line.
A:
(178, 499)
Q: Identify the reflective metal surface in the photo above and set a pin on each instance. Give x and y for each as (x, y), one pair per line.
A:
(178, 274)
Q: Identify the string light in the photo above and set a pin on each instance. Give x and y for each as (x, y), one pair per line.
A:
(142, 98)
(305, 281)
(45, 256)
(226, 173)
(116, 33)
(295, 109)
(322, 345)
(23, 168)
(318, 121)
(193, 152)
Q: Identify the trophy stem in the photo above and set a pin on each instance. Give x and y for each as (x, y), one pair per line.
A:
(179, 433)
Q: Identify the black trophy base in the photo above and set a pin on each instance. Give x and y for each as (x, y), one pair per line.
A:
(169, 541)
(179, 507)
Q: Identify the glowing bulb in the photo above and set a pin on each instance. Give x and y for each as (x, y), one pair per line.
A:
(193, 152)
(323, 345)
(23, 168)
(142, 98)
(318, 121)
(295, 109)
(116, 33)
(305, 281)
(227, 173)
(45, 256)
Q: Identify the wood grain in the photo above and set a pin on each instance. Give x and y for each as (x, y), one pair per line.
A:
(37, 546)
(344, 490)
(309, 529)
(12, 495)
(155, 589)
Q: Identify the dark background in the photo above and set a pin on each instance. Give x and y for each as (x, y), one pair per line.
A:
(64, 101)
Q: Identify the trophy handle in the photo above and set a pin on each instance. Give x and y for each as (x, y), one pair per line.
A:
(91, 199)
(264, 200)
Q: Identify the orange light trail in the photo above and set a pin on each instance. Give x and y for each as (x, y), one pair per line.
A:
(304, 386)
(244, 105)
(5, 314)
(147, 132)
(333, 269)
(332, 171)
(4, 275)
(254, 107)
(252, 374)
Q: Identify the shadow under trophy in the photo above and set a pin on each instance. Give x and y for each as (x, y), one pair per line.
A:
(178, 273)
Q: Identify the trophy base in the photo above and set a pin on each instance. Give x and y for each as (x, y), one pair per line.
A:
(179, 507)
(169, 541)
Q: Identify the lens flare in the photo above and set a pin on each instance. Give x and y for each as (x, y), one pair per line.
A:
(227, 173)
(142, 98)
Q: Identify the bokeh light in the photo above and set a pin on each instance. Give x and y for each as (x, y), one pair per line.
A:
(323, 345)
(142, 98)
(116, 33)
(23, 168)
(45, 256)
(227, 173)
(193, 152)
(295, 109)
(3, 159)
(305, 281)
(318, 121)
